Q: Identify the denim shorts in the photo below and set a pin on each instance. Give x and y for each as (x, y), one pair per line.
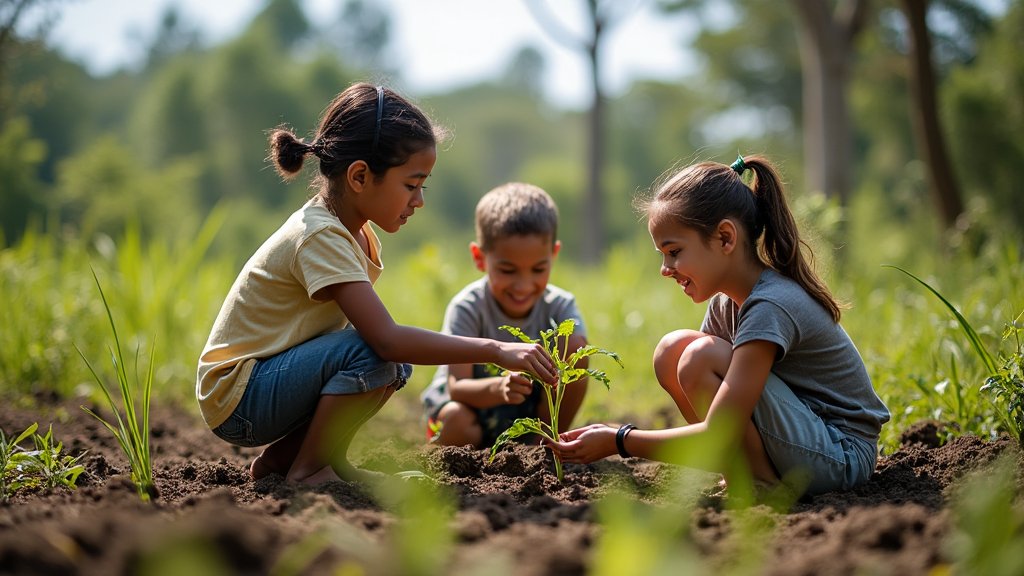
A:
(807, 451)
(284, 389)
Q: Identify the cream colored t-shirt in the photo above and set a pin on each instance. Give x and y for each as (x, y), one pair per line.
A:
(270, 307)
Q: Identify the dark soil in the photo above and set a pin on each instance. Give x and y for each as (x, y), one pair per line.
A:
(511, 516)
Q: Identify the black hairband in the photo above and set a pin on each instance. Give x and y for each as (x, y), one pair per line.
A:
(380, 114)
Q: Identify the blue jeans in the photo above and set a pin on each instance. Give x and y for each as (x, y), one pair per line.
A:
(284, 389)
(807, 448)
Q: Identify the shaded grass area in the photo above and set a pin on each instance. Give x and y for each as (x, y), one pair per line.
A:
(915, 351)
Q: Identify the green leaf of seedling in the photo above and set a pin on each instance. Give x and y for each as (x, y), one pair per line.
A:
(571, 375)
(567, 327)
(521, 427)
(589, 350)
(518, 333)
(28, 432)
(601, 376)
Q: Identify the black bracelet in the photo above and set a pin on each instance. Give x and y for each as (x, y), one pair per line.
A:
(620, 439)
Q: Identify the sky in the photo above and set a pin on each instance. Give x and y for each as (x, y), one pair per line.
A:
(442, 44)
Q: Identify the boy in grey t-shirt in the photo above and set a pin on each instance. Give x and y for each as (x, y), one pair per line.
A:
(516, 245)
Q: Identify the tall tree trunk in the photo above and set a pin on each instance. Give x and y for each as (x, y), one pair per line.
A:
(826, 50)
(925, 117)
(594, 225)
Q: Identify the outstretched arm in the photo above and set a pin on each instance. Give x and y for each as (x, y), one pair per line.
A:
(398, 343)
(729, 415)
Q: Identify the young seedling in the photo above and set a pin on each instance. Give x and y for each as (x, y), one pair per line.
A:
(11, 459)
(556, 342)
(51, 467)
(131, 433)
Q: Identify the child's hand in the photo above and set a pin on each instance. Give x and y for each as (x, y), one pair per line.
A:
(584, 445)
(532, 358)
(513, 388)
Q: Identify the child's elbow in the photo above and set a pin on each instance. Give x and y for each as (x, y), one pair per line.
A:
(390, 348)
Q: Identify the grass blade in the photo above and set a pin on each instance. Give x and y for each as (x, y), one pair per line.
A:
(972, 336)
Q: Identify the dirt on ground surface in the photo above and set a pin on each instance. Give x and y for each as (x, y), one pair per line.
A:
(509, 516)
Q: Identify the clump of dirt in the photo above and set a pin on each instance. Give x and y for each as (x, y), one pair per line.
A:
(511, 513)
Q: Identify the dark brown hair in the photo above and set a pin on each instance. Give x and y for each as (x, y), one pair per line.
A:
(364, 122)
(515, 209)
(702, 195)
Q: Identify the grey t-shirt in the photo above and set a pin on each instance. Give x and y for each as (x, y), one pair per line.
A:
(474, 312)
(816, 357)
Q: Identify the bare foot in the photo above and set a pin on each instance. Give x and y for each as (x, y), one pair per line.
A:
(260, 468)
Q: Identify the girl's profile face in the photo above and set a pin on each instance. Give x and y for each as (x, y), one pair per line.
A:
(391, 200)
(695, 265)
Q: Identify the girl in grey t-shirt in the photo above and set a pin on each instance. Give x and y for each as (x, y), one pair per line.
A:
(770, 371)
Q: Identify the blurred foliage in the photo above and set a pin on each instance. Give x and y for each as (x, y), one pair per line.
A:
(190, 121)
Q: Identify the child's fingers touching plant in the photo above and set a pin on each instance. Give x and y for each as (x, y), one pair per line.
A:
(514, 388)
(532, 358)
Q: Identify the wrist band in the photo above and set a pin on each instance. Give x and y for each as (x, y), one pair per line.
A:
(620, 439)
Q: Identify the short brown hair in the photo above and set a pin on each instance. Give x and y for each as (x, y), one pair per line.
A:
(515, 209)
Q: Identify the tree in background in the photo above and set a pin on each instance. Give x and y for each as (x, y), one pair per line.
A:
(924, 107)
(750, 77)
(23, 192)
(362, 36)
(525, 71)
(600, 15)
(827, 38)
(984, 107)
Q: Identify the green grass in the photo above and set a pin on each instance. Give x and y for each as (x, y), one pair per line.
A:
(916, 352)
(132, 413)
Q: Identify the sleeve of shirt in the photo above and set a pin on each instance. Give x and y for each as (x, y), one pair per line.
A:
(715, 318)
(765, 320)
(328, 257)
(462, 319)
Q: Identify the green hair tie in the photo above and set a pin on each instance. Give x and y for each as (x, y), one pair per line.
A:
(739, 165)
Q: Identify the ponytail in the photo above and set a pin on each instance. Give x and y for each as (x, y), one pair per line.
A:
(781, 246)
(287, 152)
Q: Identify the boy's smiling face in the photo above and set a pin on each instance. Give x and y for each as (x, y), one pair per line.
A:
(518, 269)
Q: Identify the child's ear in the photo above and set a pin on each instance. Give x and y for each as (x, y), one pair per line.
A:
(555, 248)
(478, 256)
(727, 235)
(357, 174)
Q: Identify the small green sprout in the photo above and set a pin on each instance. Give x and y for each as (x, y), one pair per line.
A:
(11, 461)
(44, 467)
(131, 433)
(556, 342)
(51, 468)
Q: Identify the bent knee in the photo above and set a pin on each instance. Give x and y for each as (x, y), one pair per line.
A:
(680, 349)
(706, 354)
(672, 345)
(459, 425)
